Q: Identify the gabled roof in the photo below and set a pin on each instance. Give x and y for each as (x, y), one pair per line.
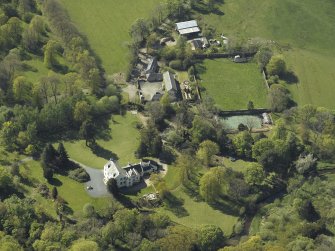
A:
(187, 24)
(169, 81)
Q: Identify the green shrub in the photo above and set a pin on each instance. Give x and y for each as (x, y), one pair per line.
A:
(176, 65)
(79, 174)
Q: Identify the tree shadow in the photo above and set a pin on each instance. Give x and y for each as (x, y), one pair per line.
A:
(175, 205)
(102, 152)
(226, 206)
(55, 182)
(290, 77)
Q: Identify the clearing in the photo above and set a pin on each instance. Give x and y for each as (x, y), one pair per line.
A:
(123, 142)
(233, 85)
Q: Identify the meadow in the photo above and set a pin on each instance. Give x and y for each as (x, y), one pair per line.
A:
(233, 85)
(303, 28)
(106, 24)
(123, 142)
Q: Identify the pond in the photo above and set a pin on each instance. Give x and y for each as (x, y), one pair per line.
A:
(232, 122)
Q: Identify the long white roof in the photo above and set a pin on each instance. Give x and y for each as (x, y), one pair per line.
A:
(187, 24)
(189, 30)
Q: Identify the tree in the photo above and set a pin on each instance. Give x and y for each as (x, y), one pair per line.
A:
(210, 238)
(207, 149)
(54, 193)
(243, 142)
(87, 131)
(279, 98)
(62, 154)
(112, 187)
(276, 66)
(48, 157)
(82, 111)
(88, 210)
(201, 130)
(250, 105)
(210, 184)
(22, 89)
(150, 142)
(255, 175)
(50, 51)
(263, 57)
(139, 30)
(306, 164)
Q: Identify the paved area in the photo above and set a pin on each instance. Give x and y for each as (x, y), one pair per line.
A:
(150, 89)
(97, 176)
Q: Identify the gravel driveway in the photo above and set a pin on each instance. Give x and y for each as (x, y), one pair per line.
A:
(97, 177)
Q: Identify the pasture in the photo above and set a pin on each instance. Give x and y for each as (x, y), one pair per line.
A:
(233, 85)
(106, 24)
(304, 29)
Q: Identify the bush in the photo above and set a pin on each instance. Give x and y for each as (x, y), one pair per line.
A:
(79, 174)
(176, 65)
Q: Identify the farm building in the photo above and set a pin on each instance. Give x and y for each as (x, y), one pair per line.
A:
(199, 43)
(129, 175)
(171, 85)
(154, 77)
(152, 66)
(188, 28)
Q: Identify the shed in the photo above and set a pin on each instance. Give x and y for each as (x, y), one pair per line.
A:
(187, 27)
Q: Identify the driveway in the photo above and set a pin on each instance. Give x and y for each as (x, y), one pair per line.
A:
(97, 177)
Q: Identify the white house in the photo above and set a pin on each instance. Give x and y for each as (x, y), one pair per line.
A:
(129, 175)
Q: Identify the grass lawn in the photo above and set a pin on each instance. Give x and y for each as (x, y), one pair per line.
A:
(232, 85)
(38, 70)
(238, 165)
(73, 192)
(123, 143)
(306, 26)
(200, 213)
(106, 23)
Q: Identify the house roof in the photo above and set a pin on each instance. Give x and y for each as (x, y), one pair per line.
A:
(151, 65)
(197, 43)
(186, 24)
(169, 81)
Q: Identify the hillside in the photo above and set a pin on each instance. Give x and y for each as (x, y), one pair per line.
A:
(305, 26)
(106, 25)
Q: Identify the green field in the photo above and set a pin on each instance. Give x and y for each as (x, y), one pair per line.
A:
(106, 24)
(200, 213)
(123, 143)
(73, 192)
(305, 26)
(232, 85)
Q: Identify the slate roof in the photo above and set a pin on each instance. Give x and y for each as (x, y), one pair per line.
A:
(169, 81)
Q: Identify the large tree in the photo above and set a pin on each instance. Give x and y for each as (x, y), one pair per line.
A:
(207, 149)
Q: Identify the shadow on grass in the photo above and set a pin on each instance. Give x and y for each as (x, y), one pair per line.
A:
(175, 205)
(290, 78)
(227, 206)
(102, 152)
(55, 182)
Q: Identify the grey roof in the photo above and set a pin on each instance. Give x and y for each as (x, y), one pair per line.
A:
(152, 77)
(197, 43)
(169, 81)
(187, 24)
(151, 65)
